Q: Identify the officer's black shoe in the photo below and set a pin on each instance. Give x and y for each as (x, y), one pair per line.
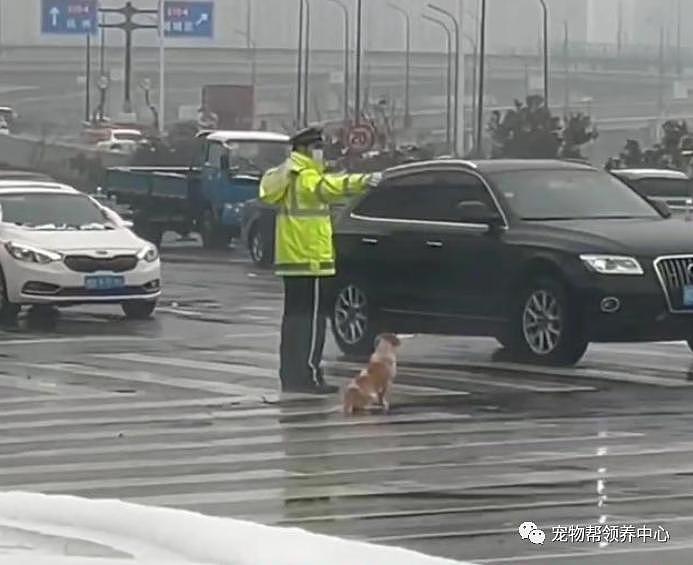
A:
(319, 390)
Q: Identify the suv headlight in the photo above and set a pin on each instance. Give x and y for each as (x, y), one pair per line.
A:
(31, 254)
(149, 253)
(612, 264)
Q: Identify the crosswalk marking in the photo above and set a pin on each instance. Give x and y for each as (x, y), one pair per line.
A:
(158, 379)
(248, 370)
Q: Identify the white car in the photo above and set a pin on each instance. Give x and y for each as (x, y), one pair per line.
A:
(61, 247)
(122, 140)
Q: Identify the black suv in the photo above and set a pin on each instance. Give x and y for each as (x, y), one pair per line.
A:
(546, 256)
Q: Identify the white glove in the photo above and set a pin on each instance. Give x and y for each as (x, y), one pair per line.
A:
(375, 179)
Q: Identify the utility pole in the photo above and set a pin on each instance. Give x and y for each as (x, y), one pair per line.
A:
(566, 64)
(457, 44)
(87, 109)
(299, 69)
(679, 61)
(161, 117)
(619, 29)
(660, 97)
(347, 54)
(545, 11)
(449, 116)
(359, 33)
(128, 26)
(306, 68)
(407, 69)
(482, 77)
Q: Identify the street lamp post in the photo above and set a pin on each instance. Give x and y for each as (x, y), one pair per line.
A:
(299, 69)
(407, 72)
(306, 68)
(545, 11)
(161, 118)
(448, 33)
(128, 26)
(345, 11)
(482, 77)
(475, 68)
(252, 46)
(87, 108)
(359, 27)
(456, 25)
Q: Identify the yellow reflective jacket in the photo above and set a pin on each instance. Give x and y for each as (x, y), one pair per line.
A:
(303, 193)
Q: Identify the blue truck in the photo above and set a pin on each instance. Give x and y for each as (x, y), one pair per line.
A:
(207, 197)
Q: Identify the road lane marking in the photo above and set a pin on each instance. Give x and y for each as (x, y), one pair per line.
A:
(157, 379)
(252, 335)
(461, 376)
(245, 370)
(41, 385)
(578, 373)
(82, 339)
(281, 455)
(233, 429)
(134, 482)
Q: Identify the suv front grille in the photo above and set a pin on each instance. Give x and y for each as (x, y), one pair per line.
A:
(675, 273)
(84, 264)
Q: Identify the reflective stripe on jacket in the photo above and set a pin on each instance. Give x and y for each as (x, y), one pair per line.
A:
(303, 193)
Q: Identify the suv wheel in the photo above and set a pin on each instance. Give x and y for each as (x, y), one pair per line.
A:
(354, 322)
(545, 326)
(259, 248)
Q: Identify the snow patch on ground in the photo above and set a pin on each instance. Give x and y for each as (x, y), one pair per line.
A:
(37, 529)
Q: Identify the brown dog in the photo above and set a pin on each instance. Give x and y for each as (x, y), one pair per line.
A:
(373, 385)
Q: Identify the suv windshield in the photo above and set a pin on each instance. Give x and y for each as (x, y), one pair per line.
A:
(570, 194)
(50, 210)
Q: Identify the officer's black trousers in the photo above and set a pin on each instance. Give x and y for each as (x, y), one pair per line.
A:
(303, 331)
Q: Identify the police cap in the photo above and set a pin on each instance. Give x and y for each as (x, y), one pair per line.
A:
(306, 137)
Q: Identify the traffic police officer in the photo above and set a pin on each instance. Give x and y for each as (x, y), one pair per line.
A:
(302, 192)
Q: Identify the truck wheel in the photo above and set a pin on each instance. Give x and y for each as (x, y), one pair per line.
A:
(259, 248)
(213, 236)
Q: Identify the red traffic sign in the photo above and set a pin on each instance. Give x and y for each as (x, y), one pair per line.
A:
(361, 138)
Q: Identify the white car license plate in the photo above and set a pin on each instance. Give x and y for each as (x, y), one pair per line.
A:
(104, 282)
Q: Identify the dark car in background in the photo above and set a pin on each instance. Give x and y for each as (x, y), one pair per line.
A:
(546, 256)
(258, 222)
(669, 186)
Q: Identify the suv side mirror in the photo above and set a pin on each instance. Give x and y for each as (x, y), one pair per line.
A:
(477, 212)
(661, 207)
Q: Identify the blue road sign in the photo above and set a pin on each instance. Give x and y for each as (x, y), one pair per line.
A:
(69, 17)
(189, 19)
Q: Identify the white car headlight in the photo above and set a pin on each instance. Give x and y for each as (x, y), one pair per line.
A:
(148, 253)
(612, 264)
(31, 254)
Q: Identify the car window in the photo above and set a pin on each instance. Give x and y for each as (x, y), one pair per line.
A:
(425, 197)
(570, 194)
(663, 188)
(59, 210)
(214, 153)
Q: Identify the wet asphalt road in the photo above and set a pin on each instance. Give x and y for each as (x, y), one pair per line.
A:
(182, 411)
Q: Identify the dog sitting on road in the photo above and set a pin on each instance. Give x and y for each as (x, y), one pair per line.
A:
(373, 385)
